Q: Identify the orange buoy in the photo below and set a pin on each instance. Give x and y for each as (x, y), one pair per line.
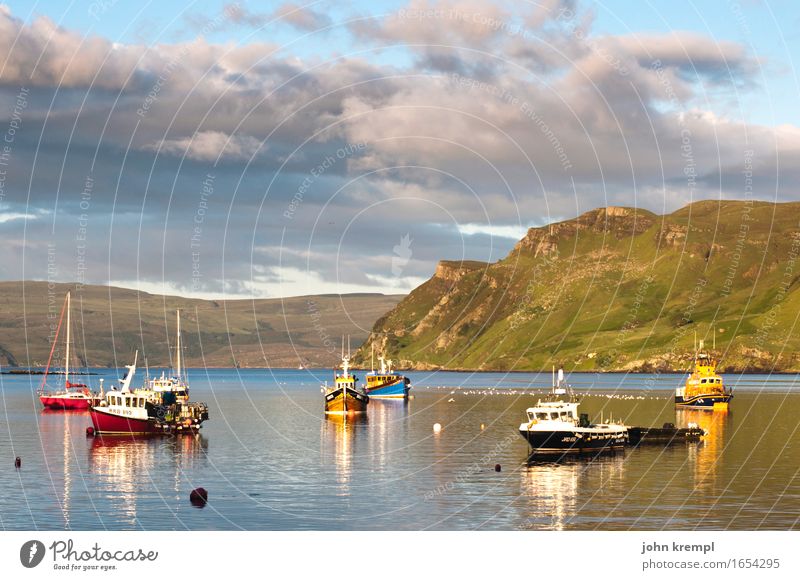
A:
(497, 467)
(90, 431)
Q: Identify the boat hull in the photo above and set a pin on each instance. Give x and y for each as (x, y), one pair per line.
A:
(110, 424)
(67, 403)
(394, 390)
(343, 401)
(574, 443)
(707, 402)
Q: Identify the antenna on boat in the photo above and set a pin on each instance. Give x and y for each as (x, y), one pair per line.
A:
(713, 338)
(554, 376)
(372, 356)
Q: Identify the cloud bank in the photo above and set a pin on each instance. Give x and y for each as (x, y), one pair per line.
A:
(242, 168)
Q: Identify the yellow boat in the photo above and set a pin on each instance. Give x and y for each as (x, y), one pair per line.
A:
(344, 398)
(704, 388)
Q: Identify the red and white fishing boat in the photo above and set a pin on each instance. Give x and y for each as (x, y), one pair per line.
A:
(162, 406)
(74, 396)
(124, 411)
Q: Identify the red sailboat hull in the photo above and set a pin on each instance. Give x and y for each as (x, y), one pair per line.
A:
(109, 423)
(66, 402)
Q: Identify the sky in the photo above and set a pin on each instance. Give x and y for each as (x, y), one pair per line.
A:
(265, 149)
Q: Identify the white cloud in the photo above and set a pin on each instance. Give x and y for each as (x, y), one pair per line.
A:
(210, 146)
(6, 217)
(513, 232)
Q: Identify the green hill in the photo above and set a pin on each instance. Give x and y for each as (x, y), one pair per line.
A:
(614, 289)
(110, 323)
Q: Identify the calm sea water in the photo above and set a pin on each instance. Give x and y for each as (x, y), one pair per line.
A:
(271, 460)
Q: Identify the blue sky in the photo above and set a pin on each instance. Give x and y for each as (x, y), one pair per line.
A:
(452, 126)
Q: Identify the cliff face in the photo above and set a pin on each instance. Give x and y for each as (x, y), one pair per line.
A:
(614, 289)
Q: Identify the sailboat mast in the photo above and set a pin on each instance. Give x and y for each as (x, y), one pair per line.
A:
(178, 347)
(66, 358)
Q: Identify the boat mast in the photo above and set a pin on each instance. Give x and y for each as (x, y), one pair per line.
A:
(344, 384)
(66, 358)
(178, 347)
(53, 346)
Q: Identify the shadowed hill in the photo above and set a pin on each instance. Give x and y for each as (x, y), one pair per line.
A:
(614, 289)
(110, 323)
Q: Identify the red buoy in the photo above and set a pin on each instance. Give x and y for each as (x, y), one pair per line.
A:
(90, 431)
(497, 467)
(18, 463)
(198, 497)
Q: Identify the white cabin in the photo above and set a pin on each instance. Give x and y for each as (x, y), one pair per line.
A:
(129, 404)
(547, 415)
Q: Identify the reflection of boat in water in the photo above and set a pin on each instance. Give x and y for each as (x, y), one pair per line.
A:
(340, 439)
(704, 388)
(386, 383)
(550, 491)
(344, 398)
(128, 468)
(708, 454)
(554, 426)
(74, 396)
(143, 412)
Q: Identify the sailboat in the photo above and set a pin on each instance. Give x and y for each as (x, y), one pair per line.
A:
(174, 387)
(344, 398)
(74, 396)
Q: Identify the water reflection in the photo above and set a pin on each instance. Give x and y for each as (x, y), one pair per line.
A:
(388, 430)
(340, 439)
(125, 465)
(553, 488)
(56, 431)
(707, 456)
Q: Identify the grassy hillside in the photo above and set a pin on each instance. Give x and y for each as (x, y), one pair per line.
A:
(110, 323)
(615, 289)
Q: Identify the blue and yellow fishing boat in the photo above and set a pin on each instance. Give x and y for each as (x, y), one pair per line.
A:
(704, 388)
(387, 384)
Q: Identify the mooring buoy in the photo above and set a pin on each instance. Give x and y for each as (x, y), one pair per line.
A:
(198, 497)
